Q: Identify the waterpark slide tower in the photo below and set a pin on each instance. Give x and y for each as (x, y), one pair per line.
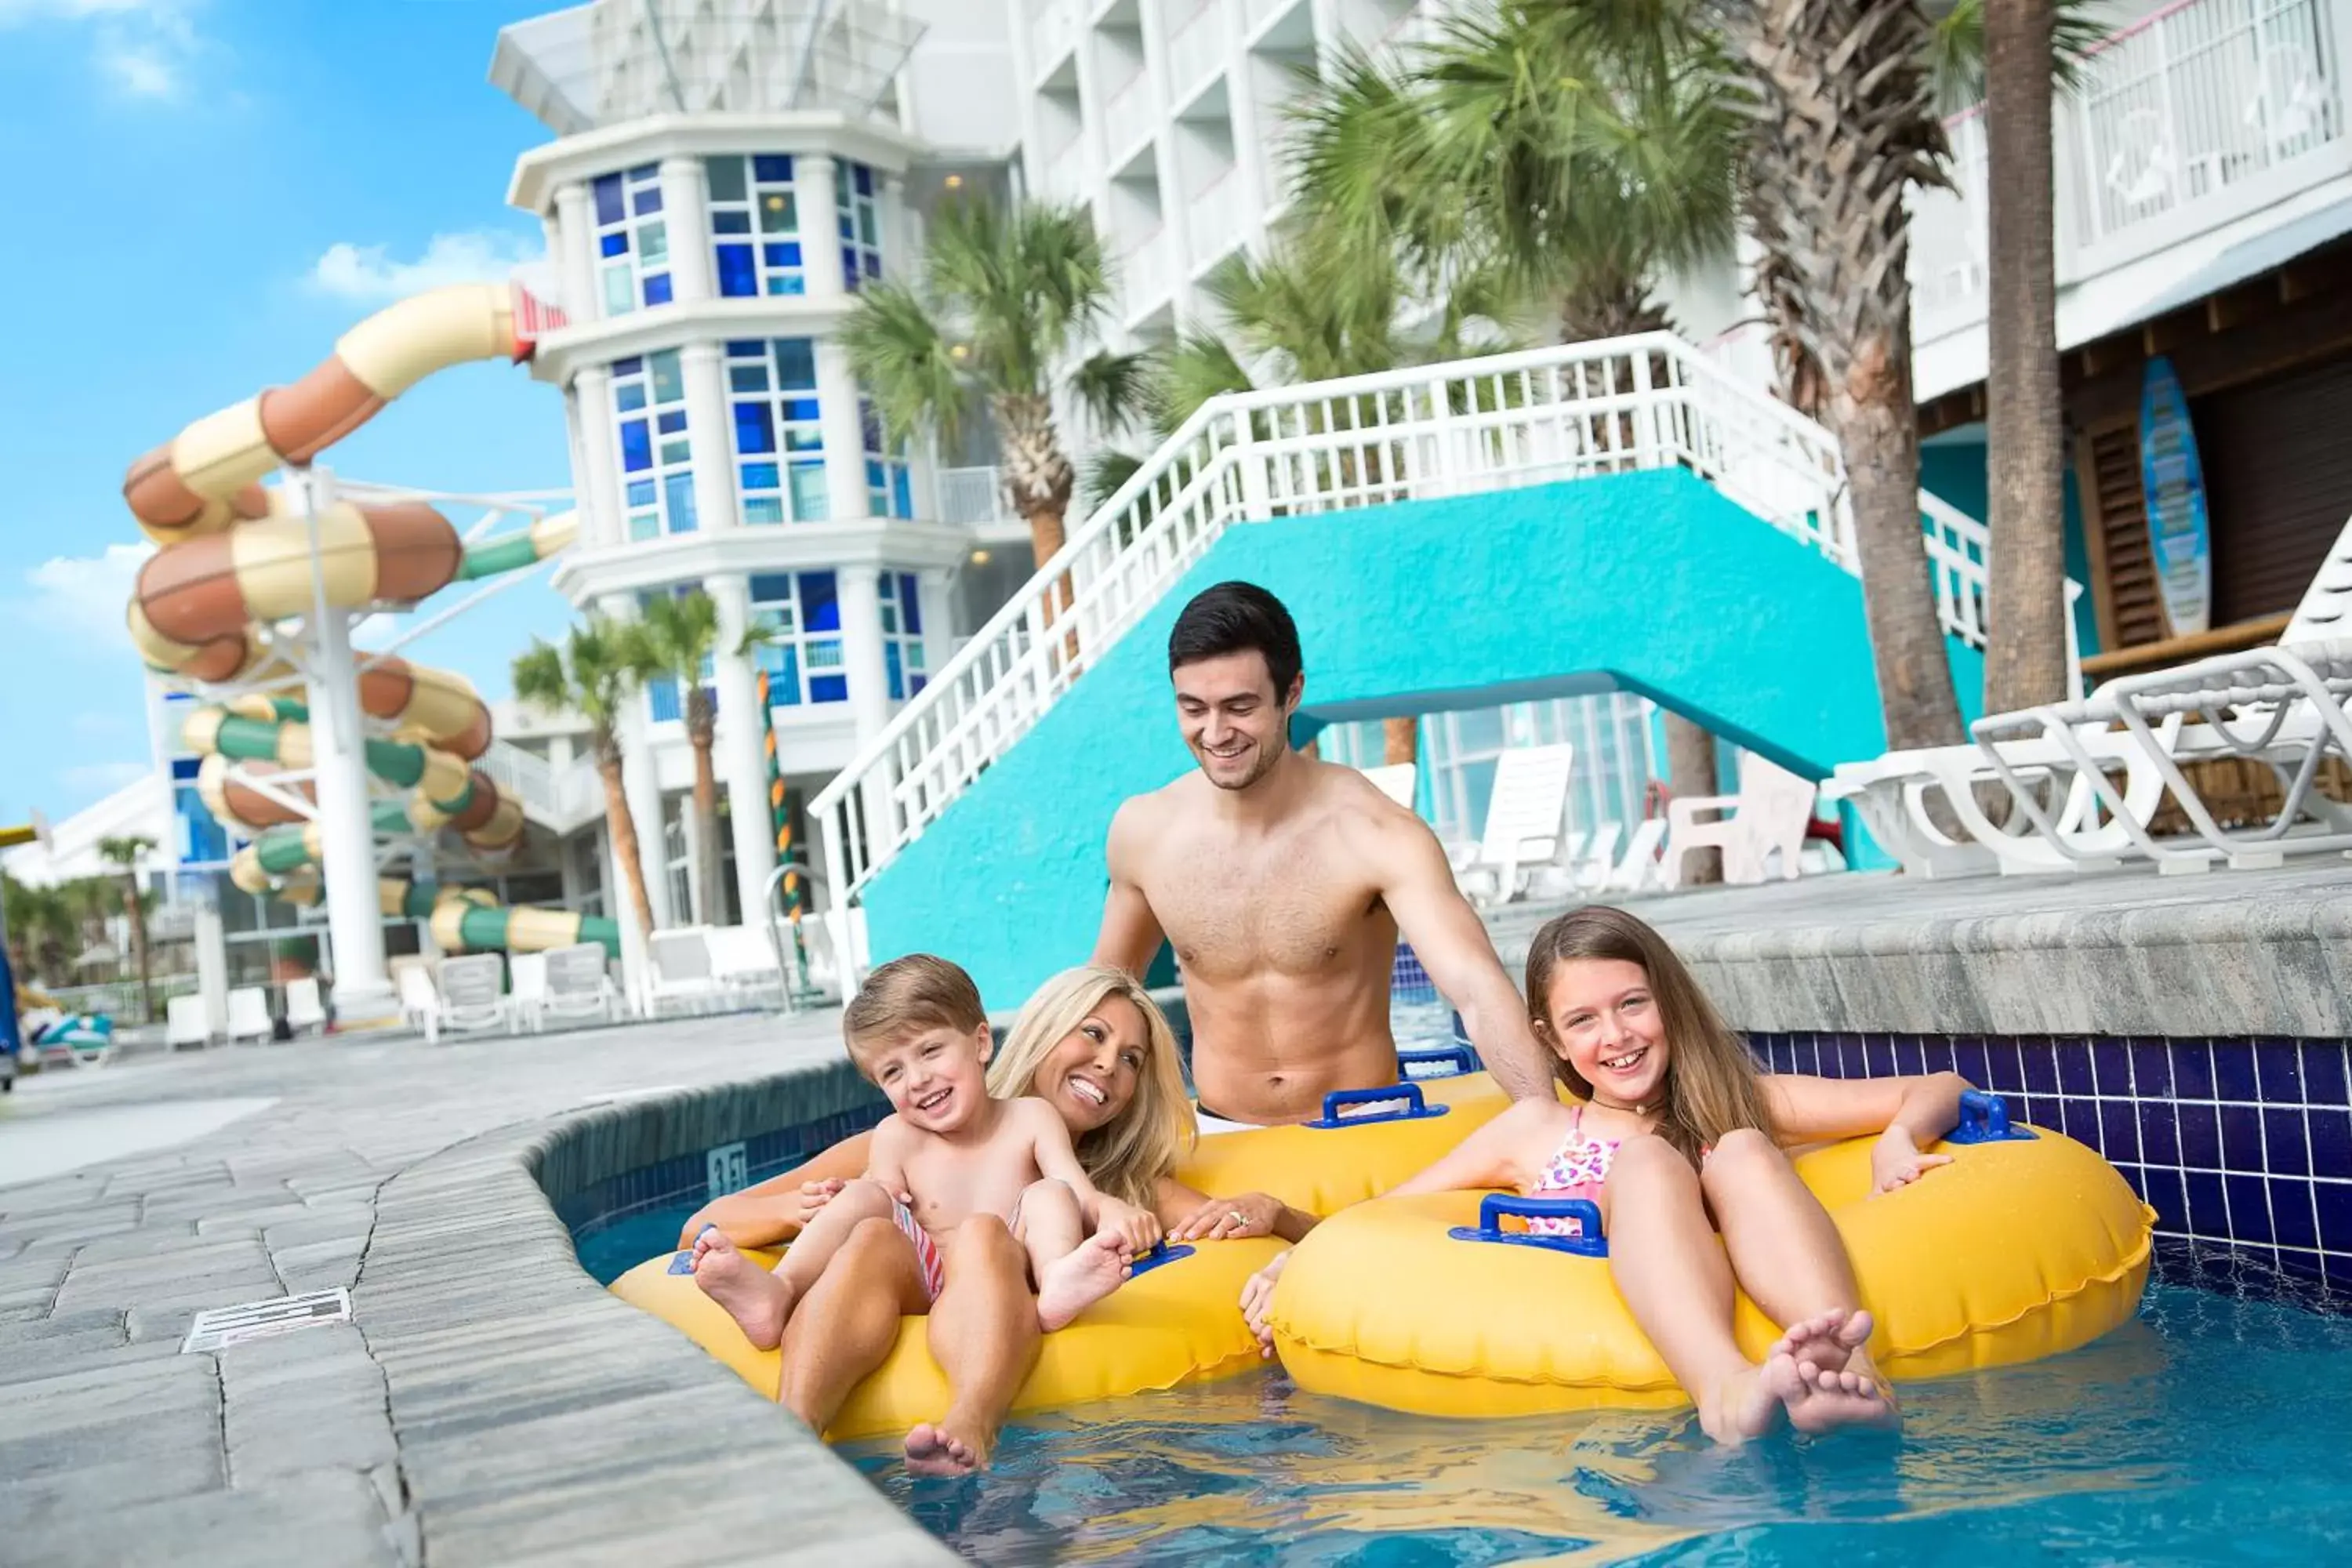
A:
(251, 597)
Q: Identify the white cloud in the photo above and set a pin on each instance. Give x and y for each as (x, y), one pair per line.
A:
(102, 778)
(368, 272)
(143, 49)
(85, 594)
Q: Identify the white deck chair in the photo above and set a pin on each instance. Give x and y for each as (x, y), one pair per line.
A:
(579, 985)
(1637, 870)
(527, 990)
(1395, 781)
(420, 1000)
(248, 1014)
(304, 1010)
(471, 997)
(1525, 813)
(744, 964)
(680, 972)
(1767, 817)
(184, 1023)
(1590, 870)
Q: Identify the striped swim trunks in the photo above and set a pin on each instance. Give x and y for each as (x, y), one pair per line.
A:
(926, 1251)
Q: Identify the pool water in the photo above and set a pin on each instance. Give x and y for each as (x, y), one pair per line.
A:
(2210, 1429)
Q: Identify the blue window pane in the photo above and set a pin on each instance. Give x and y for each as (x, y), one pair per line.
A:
(772, 588)
(803, 437)
(863, 177)
(186, 767)
(737, 277)
(912, 606)
(633, 366)
(759, 476)
(870, 424)
(641, 492)
(786, 254)
(873, 265)
(647, 200)
(657, 289)
(748, 377)
(828, 689)
(755, 431)
(800, 408)
(630, 397)
(747, 348)
(663, 694)
(671, 423)
(643, 525)
(809, 500)
(763, 509)
(643, 172)
(917, 684)
(902, 496)
(873, 474)
(614, 245)
(820, 609)
(669, 385)
(730, 223)
(896, 671)
(792, 284)
(678, 491)
(726, 176)
(608, 199)
(786, 688)
(849, 267)
(636, 446)
(796, 363)
(772, 168)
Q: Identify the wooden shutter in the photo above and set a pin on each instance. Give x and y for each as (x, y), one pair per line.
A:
(2135, 609)
(2278, 476)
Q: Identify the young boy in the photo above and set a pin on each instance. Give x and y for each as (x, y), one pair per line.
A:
(947, 1152)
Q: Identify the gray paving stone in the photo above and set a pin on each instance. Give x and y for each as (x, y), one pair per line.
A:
(326, 1518)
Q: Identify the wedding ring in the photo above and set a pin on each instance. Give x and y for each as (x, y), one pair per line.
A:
(1240, 1218)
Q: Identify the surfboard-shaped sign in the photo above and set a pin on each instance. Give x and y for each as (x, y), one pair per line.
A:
(2173, 482)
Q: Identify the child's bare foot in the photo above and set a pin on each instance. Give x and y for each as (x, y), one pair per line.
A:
(1829, 1380)
(940, 1451)
(1827, 1342)
(1072, 1283)
(1742, 1407)
(755, 1298)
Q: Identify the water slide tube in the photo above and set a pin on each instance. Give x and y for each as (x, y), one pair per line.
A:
(232, 556)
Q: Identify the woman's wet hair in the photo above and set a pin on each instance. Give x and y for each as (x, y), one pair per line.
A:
(1711, 1084)
(1126, 1155)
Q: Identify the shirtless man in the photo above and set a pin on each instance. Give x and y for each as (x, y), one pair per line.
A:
(1283, 883)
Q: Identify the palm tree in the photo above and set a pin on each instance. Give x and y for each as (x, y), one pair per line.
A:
(126, 853)
(674, 639)
(592, 674)
(1003, 298)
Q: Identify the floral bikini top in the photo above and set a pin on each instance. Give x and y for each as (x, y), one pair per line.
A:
(1576, 1169)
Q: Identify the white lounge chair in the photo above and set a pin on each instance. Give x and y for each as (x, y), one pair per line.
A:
(1396, 781)
(184, 1023)
(579, 985)
(526, 990)
(304, 1010)
(680, 972)
(1590, 871)
(1525, 813)
(1637, 870)
(744, 964)
(1767, 817)
(248, 1014)
(471, 995)
(420, 1001)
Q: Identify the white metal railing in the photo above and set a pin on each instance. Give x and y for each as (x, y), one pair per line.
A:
(561, 798)
(2185, 120)
(969, 496)
(1458, 428)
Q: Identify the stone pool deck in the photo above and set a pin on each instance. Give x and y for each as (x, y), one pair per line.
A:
(490, 1403)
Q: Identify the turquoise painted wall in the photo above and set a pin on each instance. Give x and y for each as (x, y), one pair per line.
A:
(1651, 582)
(1960, 474)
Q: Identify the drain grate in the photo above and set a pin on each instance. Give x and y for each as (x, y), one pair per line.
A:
(225, 1326)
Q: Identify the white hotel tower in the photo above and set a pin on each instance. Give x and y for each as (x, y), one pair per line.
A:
(726, 174)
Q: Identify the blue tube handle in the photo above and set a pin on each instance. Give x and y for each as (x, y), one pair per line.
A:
(1417, 1106)
(1984, 1119)
(1497, 1207)
(1460, 1059)
(1160, 1256)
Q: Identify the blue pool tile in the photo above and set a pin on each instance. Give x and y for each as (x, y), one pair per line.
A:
(2159, 1136)
(2200, 1138)
(2040, 1058)
(2079, 1119)
(1910, 1057)
(2151, 1068)
(2283, 1139)
(1937, 1055)
(2233, 1071)
(2335, 1201)
(2241, 1139)
(2293, 1222)
(2163, 1192)
(2192, 1069)
(2118, 1130)
(1969, 1060)
(2331, 1141)
(2300, 1262)
(2075, 1075)
(2208, 1211)
(2278, 1070)
(1878, 1056)
(2250, 1208)
(2111, 1062)
(2323, 1076)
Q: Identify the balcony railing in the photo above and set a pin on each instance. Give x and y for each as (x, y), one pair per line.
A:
(2196, 115)
(969, 497)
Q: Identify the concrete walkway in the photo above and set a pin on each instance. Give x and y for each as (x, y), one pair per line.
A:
(488, 1403)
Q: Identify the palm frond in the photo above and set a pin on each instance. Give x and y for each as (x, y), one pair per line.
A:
(1105, 471)
(1956, 49)
(909, 369)
(1112, 388)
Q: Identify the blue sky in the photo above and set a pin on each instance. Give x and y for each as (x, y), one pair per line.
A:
(202, 196)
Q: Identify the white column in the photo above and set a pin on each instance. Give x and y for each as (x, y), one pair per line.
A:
(596, 475)
(364, 994)
(860, 590)
(742, 757)
(574, 252)
(686, 204)
(641, 782)
(704, 371)
(939, 618)
(212, 968)
(813, 188)
(845, 439)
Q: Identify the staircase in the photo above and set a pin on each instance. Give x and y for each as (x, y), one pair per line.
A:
(557, 799)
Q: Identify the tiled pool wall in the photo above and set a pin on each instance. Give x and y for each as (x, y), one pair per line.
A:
(2243, 1147)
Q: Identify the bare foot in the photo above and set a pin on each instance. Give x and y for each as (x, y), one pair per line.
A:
(1827, 1342)
(937, 1451)
(1822, 1400)
(1072, 1283)
(755, 1298)
(1744, 1406)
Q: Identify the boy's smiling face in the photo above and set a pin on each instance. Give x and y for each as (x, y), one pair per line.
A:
(935, 1078)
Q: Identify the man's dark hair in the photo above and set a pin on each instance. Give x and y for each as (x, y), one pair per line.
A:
(1237, 617)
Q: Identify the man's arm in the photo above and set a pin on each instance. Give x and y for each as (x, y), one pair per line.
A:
(1453, 946)
(1130, 935)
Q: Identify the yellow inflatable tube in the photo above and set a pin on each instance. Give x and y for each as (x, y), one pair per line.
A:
(1178, 1323)
(2018, 1250)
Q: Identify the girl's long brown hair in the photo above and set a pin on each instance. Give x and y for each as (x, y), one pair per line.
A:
(1711, 1085)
